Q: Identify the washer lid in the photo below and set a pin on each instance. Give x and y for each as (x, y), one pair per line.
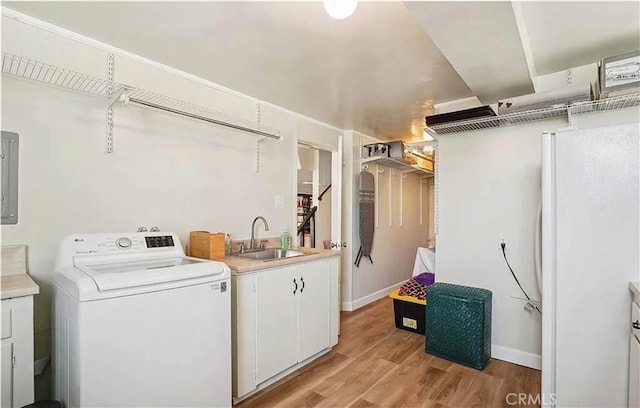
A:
(122, 275)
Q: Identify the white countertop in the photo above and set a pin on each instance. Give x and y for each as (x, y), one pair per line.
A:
(17, 285)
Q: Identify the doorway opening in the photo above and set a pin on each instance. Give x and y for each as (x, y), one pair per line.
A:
(314, 198)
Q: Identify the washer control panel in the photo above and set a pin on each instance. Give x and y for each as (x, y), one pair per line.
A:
(79, 248)
(130, 243)
(159, 241)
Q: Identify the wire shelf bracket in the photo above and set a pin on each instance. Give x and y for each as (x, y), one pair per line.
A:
(110, 93)
(118, 96)
(256, 156)
(260, 138)
(404, 175)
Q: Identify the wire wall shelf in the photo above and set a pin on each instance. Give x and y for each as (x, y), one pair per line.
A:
(552, 112)
(607, 104)
(25, 68)
(401, 165)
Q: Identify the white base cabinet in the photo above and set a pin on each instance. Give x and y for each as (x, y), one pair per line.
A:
(17, 352)
(280, 318)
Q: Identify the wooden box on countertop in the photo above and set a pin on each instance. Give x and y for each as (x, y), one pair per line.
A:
(206, 245)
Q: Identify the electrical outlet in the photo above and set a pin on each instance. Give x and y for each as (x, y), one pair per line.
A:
(502, 239)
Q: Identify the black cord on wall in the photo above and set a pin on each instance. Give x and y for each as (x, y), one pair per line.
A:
(504, 254)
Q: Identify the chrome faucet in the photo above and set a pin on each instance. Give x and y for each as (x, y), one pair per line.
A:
(253, 228)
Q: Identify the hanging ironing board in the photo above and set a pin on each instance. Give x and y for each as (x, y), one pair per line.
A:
(366, 198)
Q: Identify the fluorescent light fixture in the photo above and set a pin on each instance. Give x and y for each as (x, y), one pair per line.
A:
(340, 9)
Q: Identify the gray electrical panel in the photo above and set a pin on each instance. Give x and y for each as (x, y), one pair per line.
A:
(9, 157)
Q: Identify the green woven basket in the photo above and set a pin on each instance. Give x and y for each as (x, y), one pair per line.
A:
(458, 324)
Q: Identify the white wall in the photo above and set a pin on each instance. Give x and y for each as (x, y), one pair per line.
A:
(432, 210)
(489, 184)
(394, 245)
(575, 76)
(167, 171)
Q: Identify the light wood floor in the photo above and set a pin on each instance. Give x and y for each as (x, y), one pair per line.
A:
(377, 365)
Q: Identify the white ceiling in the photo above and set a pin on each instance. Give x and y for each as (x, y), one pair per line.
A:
(582, 33)
(482, 42)
(380, 71)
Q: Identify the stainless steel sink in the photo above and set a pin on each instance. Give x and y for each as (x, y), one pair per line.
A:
(273, 253)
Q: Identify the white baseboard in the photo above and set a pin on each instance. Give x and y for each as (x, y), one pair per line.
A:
(519, 357)
(363, 301)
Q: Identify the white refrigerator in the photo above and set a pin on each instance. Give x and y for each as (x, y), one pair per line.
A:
(590, 252)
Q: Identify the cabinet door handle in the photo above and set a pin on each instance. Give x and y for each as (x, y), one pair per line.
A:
(636, 324)
(296, 288)
(302, 280)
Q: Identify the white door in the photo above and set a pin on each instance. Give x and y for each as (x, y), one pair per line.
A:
(336, 211)
(277, 326)
(7, 374)
(314, 302)
(336, 196)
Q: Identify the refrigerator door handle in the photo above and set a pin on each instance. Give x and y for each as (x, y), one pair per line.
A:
(537, 253)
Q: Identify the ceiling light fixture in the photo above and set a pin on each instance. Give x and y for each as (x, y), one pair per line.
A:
(340, 9)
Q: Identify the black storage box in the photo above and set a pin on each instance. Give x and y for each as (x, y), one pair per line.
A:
(409, 316)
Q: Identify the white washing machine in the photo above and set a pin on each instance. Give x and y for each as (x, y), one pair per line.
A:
(139, 324)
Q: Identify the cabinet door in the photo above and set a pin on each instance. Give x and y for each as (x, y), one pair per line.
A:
(634, 372)
(334, 292)
(314, 305)
(243, 326)
(277, 325)
(7, 374)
